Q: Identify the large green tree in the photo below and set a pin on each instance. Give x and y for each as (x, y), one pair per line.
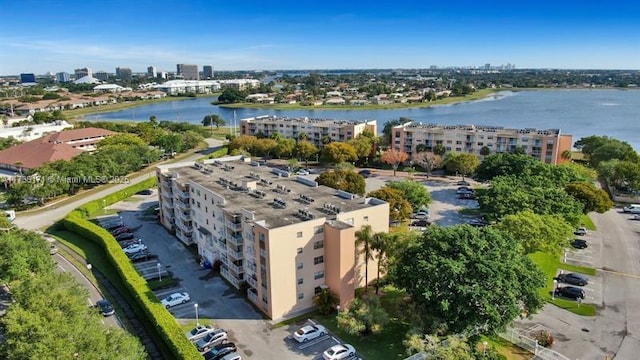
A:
(305, 150)
(363, 317)
(591, 197)
(213, 120)
(339, 152)
(364, 239)
(415, 192)
(547, 233)
(465, 279)
(347, 180)
(399, 207)
(461, 163)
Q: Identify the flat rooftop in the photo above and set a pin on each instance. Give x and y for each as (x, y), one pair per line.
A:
(304, 120)
(477, 128)
(229, 180)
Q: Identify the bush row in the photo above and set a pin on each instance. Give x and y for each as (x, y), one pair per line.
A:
(220, 152)
(167, 327)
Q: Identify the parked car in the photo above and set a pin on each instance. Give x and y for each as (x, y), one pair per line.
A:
(106, 309)
(114, 225)
(125, 236)
(134, 248)
(302, 172)
(309, 332)
(633, 208)
(141, 256)
(144, 192)
(477, 222)
(127, 243)
(573, 279)
(120, 230)
(337, 352)
(211, 339)
(232, 356)
(635, 217)
(581, 231)
(463, 183)
(365, 173)
(579, 244)
(219, 351)
(175, 299)
(570, 292)
(467, 196)
(420, 215)
(421, 223)
(198, 332)
(464, 190)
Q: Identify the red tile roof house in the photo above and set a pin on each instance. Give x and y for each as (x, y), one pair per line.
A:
(59, 146)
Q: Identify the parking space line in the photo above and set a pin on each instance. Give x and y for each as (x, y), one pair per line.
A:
(313, 342)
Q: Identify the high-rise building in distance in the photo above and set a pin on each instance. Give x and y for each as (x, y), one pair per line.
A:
(101, 75)
(152, 71)
(123, 73)
(188, 71)
(82, 72)
(28, 78)
(207, 72)
(63, 77)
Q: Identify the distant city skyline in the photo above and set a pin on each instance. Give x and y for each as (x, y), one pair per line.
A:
(45, 36)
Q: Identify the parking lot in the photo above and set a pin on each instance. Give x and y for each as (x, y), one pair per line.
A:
(248, 329)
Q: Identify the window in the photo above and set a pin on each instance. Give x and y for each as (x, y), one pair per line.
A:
(299, 234)
(193, 201)
(317, 290)
(299, 250)
(261, 237)
(349, 221)
(206, 209)
(318, 260)
(318, 275)
(300, 281)
(207, 221)
(198, 192)
(198, 204)
(205, 196)
(318, 245)
(318, 229)
(365, 218)
(300, 265)
(300, 296)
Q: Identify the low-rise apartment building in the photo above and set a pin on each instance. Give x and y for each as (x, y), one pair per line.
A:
(315, 129)
(287, 237)
(545, 145)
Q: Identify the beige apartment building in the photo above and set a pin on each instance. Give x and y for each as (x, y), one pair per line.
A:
(315, 129)
(545, 145)
(285, 236)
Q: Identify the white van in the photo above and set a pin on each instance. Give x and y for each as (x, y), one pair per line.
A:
(633, 209)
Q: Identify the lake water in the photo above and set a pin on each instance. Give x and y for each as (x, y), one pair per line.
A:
(581, 113)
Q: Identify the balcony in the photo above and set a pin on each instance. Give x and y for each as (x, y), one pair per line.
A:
(263, 253)
(184, 205)
(249, 252)
(234, 226)
(234, 239)
(252, 296)
(238, 269)
(184, 237)
(227, 275)
(235, 254)
(182, 194)
(183, 215)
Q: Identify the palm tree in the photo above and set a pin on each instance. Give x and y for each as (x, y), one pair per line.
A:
(566, 155)
(379, 243)
(325, 301)
(364, 237)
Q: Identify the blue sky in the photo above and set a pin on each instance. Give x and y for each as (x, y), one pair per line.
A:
(40, 36)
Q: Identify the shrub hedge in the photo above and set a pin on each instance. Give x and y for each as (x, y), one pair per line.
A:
(167, 328)
(220, 152)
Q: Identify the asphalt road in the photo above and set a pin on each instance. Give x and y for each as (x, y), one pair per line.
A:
(615, 330)
(94, 293)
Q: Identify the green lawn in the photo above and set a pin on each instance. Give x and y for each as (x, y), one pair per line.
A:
(550, 263)
(587, 222)
(504, 347)
(386, 345)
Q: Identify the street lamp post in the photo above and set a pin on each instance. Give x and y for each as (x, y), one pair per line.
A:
(484, 349)
(104, 206)
(555, 288)
(159, 273)
(195, 306)
(338, 309)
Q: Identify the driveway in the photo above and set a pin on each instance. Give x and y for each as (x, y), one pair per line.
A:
(216, 300)
(615, 331)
